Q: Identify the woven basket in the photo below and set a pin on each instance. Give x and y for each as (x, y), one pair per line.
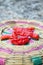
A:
(31, 54)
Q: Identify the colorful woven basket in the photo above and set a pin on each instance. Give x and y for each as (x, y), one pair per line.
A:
(30, 54)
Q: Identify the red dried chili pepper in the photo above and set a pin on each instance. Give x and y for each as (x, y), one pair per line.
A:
(4, 37)
(35, 36)
(31, 28)
(21, 36)
(19, 39)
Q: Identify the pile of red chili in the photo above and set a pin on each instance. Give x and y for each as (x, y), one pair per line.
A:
(21, 36)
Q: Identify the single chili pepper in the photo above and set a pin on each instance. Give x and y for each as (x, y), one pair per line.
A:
(31, 28)
(35, 36)
(4, 37)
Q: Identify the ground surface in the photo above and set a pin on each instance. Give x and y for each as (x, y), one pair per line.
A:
(21, 9)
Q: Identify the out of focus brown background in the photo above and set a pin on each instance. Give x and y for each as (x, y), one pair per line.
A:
(21, 9)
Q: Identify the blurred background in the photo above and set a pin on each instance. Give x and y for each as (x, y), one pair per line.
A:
(21, 9)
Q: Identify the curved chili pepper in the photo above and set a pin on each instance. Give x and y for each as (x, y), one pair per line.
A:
(4, 37)
(35, 36)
